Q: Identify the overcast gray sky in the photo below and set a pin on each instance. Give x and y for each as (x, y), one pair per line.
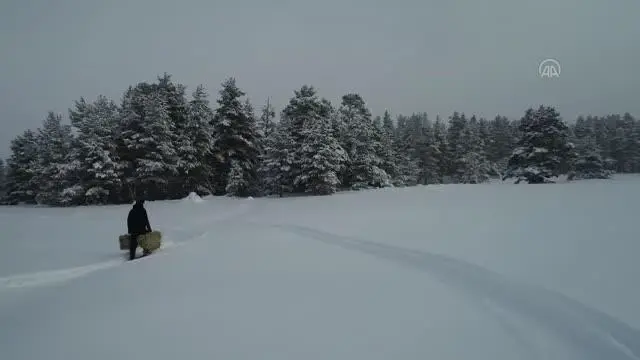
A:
(439, 56)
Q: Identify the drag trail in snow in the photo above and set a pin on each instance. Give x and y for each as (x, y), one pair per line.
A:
(588, 332)
(54, 277)
(174, 234)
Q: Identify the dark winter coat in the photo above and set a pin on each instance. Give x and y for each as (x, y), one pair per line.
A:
(137, 221)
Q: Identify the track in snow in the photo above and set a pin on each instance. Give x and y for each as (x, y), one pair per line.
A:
(53, 277)
(589, 332)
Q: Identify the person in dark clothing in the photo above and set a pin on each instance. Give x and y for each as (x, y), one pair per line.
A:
(137, 224)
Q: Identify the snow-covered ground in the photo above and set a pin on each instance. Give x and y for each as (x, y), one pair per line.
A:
(494, 271)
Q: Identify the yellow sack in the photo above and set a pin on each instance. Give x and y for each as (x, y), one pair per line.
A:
(149, 241)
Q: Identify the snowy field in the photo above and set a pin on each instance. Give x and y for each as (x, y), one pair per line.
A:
(493, 271)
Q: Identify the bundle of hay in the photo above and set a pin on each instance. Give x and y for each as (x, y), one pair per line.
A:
(149, 241)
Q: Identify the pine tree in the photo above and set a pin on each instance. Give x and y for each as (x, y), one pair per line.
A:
(322, 158)
(582, 128)
(362, 146)
(128, 144)
(440, 141)
(617, 140)
(387, 125)
(543, 149)
(484, 132)
(430, 156)
(237, 181)
(23, 167)
(305, 109)
(177, 109)
(235, 139)
(631, 145)
(341, 133)
(387, 153)
(149, 159)
(589, 164)
(472, 167)
(177, 148)
(616, 136)
(266, 123)
(57, 185)
(200, 133)
(94, 152)
(456, 144)
(416, 143)
(159, 162)
(278, 161)
(406, 153)
(3, 178)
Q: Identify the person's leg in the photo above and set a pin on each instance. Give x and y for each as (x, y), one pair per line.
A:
(133, 246)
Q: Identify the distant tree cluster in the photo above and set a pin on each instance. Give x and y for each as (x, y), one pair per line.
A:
(159, 144)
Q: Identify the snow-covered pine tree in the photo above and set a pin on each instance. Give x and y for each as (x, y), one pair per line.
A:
(600, 130)
(581, 128)
(377, 122)
(473, 167)
(266, 122)
(94, 150)
(457, 147)
(617, 142)
(503, 141)
(484, 132)
(235, 138)
(200, 133)
(265, 126)
(543, 149)
(128, 144)
(388, 125)
(610, 137)
(406, 160)
(341, 133)
(57, 184)
(603, 140)
(322, 157)
(23, 167)
(159, 162)
(589, 163)
(440, 140)
(430, 156)
(3, 178)
(616, 135)
(147, 153)
(388, 155)
(304, 108)
(236, 182)
(277, 161)
(177, 108)
(631, 144)
(416, 146)
(401, 124)
(363, 161)
(243, 180)
(384, 150)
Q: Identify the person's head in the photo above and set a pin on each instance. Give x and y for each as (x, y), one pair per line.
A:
(139, 203)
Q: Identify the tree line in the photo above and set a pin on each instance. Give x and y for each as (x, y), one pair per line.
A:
(159, 144)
